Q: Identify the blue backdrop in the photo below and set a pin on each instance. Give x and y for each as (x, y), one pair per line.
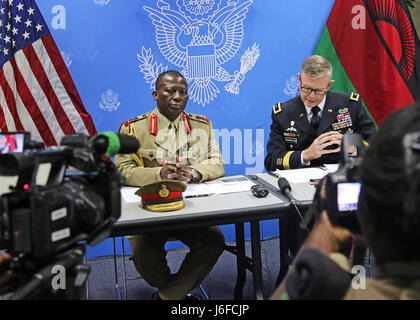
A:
(114, 50)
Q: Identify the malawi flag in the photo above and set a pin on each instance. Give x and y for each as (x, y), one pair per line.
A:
(375, 51)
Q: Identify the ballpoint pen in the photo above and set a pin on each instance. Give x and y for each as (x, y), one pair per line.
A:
(198, 195)
(274, 174)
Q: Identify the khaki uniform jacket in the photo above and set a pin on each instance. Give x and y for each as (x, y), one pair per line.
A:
(195, 144)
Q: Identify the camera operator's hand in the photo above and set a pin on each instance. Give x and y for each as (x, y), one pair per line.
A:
(8, 281)
(318, 147)
(326, 237)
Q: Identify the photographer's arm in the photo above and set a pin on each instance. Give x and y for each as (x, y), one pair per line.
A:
(325, 238)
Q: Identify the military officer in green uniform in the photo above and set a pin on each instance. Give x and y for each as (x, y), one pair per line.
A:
(174, 145)
(389, 216)
(308, 130)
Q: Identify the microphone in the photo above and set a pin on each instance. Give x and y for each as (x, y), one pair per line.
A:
(286, 189)
(110, 143)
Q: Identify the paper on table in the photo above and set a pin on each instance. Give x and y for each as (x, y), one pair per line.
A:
(218, 187)
(303, 175)
(331, 167)
(128, 193)
(229, 187)
(197, 189)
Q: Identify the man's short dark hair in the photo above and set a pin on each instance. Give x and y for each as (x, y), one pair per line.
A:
(385, 184)
(173, 73)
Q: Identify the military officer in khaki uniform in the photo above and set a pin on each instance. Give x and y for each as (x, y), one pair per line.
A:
(174, 145)
(389, 216)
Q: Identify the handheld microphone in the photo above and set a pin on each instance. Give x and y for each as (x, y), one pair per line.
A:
(286, 189)
(111, 143)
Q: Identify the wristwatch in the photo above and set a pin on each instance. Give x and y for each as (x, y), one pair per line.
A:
(195, 176)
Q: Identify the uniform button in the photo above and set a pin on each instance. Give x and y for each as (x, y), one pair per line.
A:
(151, 154)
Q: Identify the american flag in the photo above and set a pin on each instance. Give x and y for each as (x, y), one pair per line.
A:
(37, 93)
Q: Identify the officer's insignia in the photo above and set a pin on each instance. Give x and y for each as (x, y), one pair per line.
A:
(153, 124)
(291, 134)
(276, 108)
(164, 192)
(186, 123)
(343, 121)
(186, 148)
(202, 118)
(354, 96)
(291, 129)
(199, 37)
(344, 110)
(128, 122)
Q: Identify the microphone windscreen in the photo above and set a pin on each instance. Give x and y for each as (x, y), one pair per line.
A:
(283, 184)
(128, 144)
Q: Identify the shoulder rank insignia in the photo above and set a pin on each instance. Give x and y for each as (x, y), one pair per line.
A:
(199, 117)
(354, 96)
(128, 122)
(277, 108)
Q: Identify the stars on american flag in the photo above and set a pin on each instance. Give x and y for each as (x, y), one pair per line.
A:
(19, 26)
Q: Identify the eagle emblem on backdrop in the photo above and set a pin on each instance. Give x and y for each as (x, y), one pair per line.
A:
(199, 37)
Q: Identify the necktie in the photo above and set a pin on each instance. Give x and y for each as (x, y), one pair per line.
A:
(172, 139)
(315, 120)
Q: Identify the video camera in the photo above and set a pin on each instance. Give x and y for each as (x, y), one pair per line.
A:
(343, 186)
(38, 223)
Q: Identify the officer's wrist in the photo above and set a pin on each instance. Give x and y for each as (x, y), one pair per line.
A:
(302, 161)
(195, 176)
(305, 159)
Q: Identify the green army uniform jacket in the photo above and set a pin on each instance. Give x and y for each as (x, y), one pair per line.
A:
(392, 281)
(195, 145)
(330, 277)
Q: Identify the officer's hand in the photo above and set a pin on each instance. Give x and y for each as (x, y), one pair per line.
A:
(169, 171)
(318, 147)
(184, 172)
(178, 171)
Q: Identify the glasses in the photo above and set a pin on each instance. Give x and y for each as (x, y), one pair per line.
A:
(318, 92)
